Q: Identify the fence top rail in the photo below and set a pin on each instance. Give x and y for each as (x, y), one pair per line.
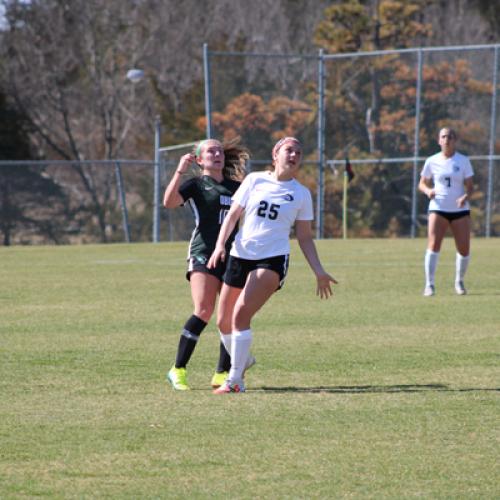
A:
(263, 54)
(444, 48)
(178, 146)
(39, 163)
(357, 54)
(361, 161)
(404, 160)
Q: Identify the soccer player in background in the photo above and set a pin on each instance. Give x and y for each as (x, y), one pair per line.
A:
(257, 264)
(209, 196)
(446, 179)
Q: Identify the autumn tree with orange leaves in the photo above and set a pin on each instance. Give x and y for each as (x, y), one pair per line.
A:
(371, 109)
(260, 123)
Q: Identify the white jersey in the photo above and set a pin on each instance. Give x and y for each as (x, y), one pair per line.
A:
(271, 208)
(448, 175)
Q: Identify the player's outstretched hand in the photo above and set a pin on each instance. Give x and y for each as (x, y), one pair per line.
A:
(323, 286)
(219, 254)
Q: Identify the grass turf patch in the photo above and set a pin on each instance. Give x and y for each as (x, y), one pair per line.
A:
(378, 392)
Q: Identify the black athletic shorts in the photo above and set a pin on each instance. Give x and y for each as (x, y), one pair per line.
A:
(199, 264)
(237, 269)
(451, 215)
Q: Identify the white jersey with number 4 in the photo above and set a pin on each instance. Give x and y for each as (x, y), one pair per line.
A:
(448, 175)
(271, 208)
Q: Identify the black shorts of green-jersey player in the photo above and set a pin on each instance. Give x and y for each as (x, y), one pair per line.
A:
(209, 201)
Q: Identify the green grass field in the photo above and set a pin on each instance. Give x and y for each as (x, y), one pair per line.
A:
(376, 393)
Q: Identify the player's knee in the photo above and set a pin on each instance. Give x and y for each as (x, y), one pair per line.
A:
(434, 245)
(204, 311)
(224, 324)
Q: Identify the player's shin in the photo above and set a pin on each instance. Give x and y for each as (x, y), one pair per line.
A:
(240, 351)
(224, 363)
(188, 340)
(430, 265)
(461, 264)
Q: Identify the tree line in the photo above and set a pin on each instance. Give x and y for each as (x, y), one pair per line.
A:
(64, 95)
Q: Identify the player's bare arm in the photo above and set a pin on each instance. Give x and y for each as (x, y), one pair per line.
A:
(469, 187)
(425, 186)
(323, 279)
(219, 253)
(172, 197)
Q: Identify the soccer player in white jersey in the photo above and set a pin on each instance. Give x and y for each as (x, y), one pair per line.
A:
(446, 180)
(272, 202)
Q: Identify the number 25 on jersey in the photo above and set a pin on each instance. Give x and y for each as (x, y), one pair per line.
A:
(268, 210)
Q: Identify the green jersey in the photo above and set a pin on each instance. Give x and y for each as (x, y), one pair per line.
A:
(210, 201)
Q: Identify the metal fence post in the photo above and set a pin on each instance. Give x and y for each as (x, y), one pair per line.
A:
(491, 152)
(123, 203)
(321, 145)
(208, 90)
(156, 187)
(416, 146)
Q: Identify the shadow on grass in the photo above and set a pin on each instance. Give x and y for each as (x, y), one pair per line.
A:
(356, 389)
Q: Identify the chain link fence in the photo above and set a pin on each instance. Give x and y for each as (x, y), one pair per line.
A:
(66, 202)
(381, 109)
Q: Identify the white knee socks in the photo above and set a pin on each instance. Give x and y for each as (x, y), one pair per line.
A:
(240, 350)
(430, 264)
(227, 341)
(461, 264)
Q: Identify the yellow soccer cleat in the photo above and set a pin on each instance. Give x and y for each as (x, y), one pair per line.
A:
(218, 379)
(177, 377)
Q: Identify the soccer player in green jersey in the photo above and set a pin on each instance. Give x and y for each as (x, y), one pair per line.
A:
(209, 196)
